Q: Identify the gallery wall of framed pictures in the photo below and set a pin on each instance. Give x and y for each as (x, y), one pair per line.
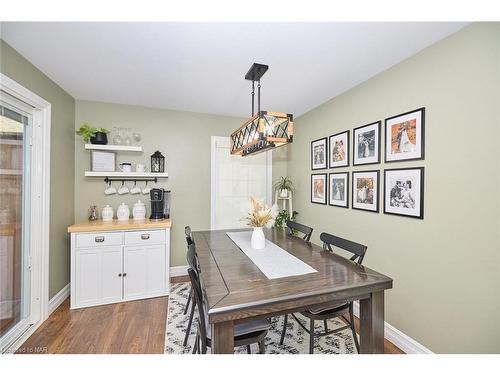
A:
(403, 188)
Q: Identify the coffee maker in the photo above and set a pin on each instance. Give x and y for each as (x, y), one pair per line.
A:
(160, 204)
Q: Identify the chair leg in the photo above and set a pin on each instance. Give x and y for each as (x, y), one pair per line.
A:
(351, 318)
(311, 336)
(262, 347)
(190, 297)
(284, 330)
(188, 330)
(326, 325)
(195, 346)
(249, 351)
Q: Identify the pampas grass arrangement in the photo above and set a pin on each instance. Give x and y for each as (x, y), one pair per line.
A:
(260, 215)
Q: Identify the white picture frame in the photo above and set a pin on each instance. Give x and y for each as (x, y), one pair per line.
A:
(102, 161)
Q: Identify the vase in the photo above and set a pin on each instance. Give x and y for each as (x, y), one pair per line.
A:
(258, 239)
(284, 193)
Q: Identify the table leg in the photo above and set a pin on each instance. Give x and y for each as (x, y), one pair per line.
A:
(223, 338)
(372, 324)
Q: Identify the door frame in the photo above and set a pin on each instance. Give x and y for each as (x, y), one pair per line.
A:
(269, 177)
(40, 202)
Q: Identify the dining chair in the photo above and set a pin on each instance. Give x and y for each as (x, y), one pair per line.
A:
(304, 229)
(335, 310)
(245, 334)
(190, 259)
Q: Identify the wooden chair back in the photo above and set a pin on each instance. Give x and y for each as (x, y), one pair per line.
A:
(358, 250)
(304, 229)
(199, 297)
(189, 237)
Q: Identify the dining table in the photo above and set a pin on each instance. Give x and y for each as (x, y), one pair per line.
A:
(236, 290)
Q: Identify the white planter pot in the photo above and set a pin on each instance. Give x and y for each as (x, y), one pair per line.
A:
(258, 239)
(284, 193)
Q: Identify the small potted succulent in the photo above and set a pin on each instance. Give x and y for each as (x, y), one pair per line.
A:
(94, 135)
(284, 185)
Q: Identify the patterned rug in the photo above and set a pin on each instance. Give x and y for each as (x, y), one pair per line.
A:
(296, 340)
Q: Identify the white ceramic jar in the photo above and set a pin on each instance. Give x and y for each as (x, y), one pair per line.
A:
(139, 211)
(107, 213)
(123, 212)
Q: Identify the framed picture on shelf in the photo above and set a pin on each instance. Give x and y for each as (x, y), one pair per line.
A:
(366, 144)
(365, 186)
(319, 154)
(404, 192)
(102, 161)
(318, 188)
(339, 150)
(338, 189)
(404, 136)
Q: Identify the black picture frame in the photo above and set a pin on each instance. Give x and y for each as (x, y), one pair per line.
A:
(420, 192)
(353, 189)
(346, 149)
(325, 177)
(421, 149)
(325, 140)
(346, 188)
(377, 140)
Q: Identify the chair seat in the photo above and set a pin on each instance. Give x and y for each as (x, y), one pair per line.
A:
(339, 306)
(245, 328)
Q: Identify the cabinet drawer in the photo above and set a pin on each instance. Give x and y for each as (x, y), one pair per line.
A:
(144, 237)
(99, 239)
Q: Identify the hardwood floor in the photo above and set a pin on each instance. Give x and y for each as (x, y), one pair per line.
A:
(127, 328)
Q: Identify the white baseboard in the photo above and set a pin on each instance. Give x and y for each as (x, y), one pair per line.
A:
(179, 271)
(398, 338)
(59, 298)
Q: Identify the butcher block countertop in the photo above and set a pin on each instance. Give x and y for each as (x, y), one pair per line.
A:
(107, 226)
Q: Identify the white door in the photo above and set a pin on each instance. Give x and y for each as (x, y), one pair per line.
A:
(234, 180)
(98, 275)
(144, 270)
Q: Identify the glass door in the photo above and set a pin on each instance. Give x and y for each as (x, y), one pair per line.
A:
(15, 268)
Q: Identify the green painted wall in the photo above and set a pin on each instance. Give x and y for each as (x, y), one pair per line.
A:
(183, 137)
(62, 152)
(445, 267)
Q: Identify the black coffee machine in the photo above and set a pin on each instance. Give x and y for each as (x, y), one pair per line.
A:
(160, 204)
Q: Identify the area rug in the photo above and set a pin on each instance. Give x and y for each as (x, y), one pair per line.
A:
(296, 340)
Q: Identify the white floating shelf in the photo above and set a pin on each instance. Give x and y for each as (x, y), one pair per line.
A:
(126, 175)
(90, 146)
(11, 172)
(11, 142)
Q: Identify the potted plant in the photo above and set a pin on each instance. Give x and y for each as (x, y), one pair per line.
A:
(284, 185)
(283, 217)
(92, 134)
(260, 215)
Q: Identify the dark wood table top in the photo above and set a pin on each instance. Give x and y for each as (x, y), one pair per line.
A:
(234, 284)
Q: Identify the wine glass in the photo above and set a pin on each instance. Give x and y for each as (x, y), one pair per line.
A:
(137, 138)
(116, 138)
(127, 140)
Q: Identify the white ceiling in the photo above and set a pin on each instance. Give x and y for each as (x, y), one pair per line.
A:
(200, 67)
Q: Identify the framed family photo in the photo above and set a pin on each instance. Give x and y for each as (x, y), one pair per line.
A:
(404, 192)
(365, 186)
(366, 144)
(318, 188)
(339, 150)
(319, 154)
(339, 189)
(404, 136)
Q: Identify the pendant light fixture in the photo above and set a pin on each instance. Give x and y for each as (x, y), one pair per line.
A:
(264, 130)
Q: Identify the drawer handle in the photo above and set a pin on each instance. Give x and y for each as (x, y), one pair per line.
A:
(99, 239)
(145, 236)
(125, 274)
(120, 275)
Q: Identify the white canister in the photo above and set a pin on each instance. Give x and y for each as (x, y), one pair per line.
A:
(139, 211)
(123, 212)
(107, 213)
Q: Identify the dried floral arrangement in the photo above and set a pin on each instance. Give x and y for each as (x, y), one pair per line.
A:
(260, 215)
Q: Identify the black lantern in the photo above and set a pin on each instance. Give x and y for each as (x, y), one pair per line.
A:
(157, 162)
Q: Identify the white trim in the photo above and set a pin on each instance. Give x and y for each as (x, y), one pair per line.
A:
(398, 338)
(40, 204)
(178, 271)
(59, 298)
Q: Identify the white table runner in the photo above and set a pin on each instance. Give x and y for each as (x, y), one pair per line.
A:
(273, 261)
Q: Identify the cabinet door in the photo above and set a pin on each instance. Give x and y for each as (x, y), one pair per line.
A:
(145, 269)
(98, 275)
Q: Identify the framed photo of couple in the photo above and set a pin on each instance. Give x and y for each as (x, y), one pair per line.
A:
(339, 150)
(318, 188)
(404, 192)
(365, 187)
(404, 136)
(366, 144)
(319, 154)
(338, 187)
